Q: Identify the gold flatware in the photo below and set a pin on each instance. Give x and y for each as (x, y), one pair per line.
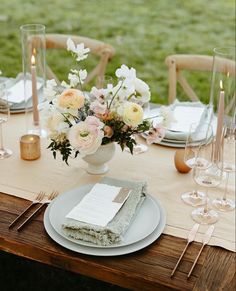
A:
(205, 240)
(37, 200)
(46, 202)
(191, 237)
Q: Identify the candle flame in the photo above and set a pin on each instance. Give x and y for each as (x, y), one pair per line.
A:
(33, 57)
(221, 85)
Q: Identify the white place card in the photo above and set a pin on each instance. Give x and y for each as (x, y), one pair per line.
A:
(15, 94)
(100, 205)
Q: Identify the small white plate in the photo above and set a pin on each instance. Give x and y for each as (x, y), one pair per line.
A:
(106, 251)
(143, 224)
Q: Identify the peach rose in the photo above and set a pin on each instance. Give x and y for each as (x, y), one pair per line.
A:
(71, 99)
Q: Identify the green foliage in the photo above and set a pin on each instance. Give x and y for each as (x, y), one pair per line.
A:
(143, 33)
(63, 147)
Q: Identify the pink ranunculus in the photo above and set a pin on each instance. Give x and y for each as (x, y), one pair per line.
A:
(155, 134)
(98, 108)
(85, 138)
(94, 122)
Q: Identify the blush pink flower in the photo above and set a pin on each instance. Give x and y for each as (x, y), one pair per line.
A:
(86, 136)
(98, 108)
(155, 134)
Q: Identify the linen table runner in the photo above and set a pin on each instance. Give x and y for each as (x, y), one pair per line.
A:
(26, 178)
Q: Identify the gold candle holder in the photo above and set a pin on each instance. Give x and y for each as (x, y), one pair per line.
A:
(30, 147)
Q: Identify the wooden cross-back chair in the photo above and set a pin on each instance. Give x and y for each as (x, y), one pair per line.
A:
(178, 63)
(98, 48)
(102, 50)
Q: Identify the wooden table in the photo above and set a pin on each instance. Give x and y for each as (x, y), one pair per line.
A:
(147, 269)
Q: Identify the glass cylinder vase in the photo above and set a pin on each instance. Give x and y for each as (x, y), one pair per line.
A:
(33, 43)
(222, 97)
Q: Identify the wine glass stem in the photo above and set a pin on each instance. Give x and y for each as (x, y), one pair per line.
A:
(195, 191)
(206, 204)
(226, 186)
(1, 137)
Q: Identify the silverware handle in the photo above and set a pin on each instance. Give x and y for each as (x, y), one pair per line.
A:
(180, 258)
(194, 263)
(30, 217)
(19, 216)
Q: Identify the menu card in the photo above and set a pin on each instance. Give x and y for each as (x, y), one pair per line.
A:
(100, 205)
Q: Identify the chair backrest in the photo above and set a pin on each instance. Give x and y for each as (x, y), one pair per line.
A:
(177, 63)
(98, 48)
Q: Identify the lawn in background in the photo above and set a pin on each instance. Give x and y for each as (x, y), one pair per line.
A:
(143, 33)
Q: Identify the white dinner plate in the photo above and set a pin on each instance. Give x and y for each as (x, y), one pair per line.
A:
(143, 224)
(122, 250)
(164, 142)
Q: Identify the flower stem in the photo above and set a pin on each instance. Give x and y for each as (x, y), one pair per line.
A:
(112, 99)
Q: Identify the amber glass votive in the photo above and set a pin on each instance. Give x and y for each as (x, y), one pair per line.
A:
(30, 147)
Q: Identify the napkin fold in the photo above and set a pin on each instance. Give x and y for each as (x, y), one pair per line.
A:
(187, 113)
(114, 231)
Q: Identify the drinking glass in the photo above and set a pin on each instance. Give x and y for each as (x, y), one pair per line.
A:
(198, 155)
(226, 163)
(4, 115)
(208, 178)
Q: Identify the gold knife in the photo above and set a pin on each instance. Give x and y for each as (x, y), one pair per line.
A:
(191, 237)
(205, 240)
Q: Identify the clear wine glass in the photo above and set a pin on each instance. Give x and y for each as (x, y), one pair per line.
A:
(226, 163)
(208, 178)
(4, 115)
(197, 155)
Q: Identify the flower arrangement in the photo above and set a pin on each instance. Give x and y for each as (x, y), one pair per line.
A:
(79, 122)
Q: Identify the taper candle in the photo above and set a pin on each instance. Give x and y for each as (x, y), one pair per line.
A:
(34, 90)
(220, 121)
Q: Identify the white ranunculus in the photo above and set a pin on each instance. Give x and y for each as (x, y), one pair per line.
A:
(85, 138)
(132, 114)
(56, 123)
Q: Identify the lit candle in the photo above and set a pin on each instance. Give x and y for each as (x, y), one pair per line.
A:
(220, 120)
(30, 147)
(34, 90)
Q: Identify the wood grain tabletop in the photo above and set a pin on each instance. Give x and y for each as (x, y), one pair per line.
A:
(147, 269)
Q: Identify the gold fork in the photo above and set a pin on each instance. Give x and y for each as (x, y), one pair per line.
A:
(37, 200)
(46, 202)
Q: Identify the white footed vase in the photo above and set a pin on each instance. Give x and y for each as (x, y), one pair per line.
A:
(97, 161)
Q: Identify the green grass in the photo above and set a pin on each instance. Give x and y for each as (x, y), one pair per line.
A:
(143, 33)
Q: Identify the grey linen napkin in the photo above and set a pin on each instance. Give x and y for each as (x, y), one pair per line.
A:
(114, 231)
